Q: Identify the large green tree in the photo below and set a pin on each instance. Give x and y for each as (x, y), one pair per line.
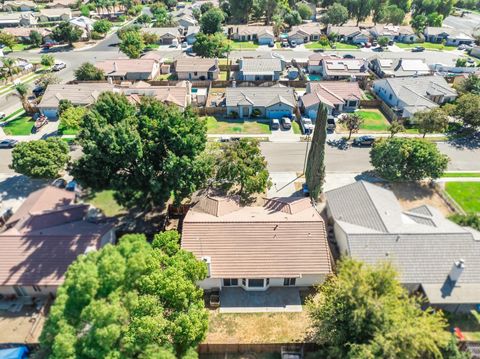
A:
(337, 14)
(36, 38)
(88, 72)
(352, 123)
(467, 109)
(214, 45)
(242, 169)
(7, 40)
(364, 312)
(431, 121)
(408, 159)
(132, 300)
(315, 170)
(146, 155)
(211, 21)
(40, 158)
(66, 32)
(102, 26)
(132, 44)
(240, 9)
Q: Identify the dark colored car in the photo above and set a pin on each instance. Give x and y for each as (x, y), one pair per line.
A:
(271, 44)
(364, 141)
(418, 49)
(305, 190)
(8, 143)
(348, 56)
(38, 91)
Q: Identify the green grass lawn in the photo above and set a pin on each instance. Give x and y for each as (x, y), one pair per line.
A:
(222, 75)
(373, 121)
(296, 128)
(19, 47)
(338, 46)
(461, 174)
(243, 45)
(152, 46)
(166, 77)
(469, 324)
(427, 45)
(104, 200)
(215, 126)
(15, 113)
(466, 194)
(21, 126)
(67, 131)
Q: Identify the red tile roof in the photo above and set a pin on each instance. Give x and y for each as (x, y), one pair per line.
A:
(331, 93)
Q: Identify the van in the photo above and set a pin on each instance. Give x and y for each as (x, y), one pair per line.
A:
(286, 123)
(274, 124)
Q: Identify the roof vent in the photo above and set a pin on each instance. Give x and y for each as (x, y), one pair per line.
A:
(457, 270)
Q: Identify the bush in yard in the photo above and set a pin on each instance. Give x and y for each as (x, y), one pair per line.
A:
(40, 158)
(383, 41)
(72, 117)
(431, 121)
(102, 26)
(407, 159)
(324, 40)
(47, 60)
(35, 38)
(469, 220)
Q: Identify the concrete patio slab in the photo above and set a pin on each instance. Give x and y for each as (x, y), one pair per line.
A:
(238, 300)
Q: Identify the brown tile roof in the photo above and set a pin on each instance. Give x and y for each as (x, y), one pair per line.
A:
(196, 64)
(25, 31)
(331, 93)
(176, 95)
(45, 235)
(120, 67)
(80, 94)
(252, 30)
(260, 241)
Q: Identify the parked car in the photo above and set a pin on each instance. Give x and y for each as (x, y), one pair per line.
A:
(39, 123)
(307, 125)
(271, 44)
(293, 44)
(59, 66)
(72, 186)
(368, 45)
(284, 43)
(274, 124)
(59, 183)
(348, 56)
(331, 125)
(418, 49)
(184, 45)
(391, 43)
(305, 190)
(38, 91)
(286, 123)
(364, 141)
(8, 143)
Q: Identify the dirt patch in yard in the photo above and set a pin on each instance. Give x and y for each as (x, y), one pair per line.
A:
(411, 195)
(254, 328)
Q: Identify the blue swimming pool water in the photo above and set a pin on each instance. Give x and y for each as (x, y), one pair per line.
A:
(314, 77)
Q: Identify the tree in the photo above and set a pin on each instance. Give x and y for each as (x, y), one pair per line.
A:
(364, 312)
(8, 40)
(337, 14)
(419, 23)
(352, 123)
(468, 109)
(205, 7)
(47, 60)
(35, 38)
(150, 38)
(470, 84)
(240, 9)
(278, 24)
(102, 26)
(144, 19)
(21, 92)
(315, 171)
(66, 32)
(9, 67)
(211, 21)
(64, 105)
(395, 127)
(71, 117)
(393, 15)
(305, 11)
(408, 159)
(132, 300)
(40, 158)
(430, 121)
(88, 72)
(242, 169)
(85, 10)
(214, 45)
(383, 41)
(48, 79)
(359, 9)
(132, 44)
(147, 154)
(461, 62)
(292, 18)
(378, 9)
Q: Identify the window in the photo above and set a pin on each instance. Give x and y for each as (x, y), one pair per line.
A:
(230, 282)
(36, 288)
(195, 73)
(289, 281)
(255, 283)
(244, 282)
(352, 103)
(268, 282)
(390, 96)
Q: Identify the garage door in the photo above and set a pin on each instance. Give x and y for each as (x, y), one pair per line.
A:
(167, 41)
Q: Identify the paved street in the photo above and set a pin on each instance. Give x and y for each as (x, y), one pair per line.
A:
(283, 157)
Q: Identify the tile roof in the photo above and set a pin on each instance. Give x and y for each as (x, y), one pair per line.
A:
(345, 30)
(451, 32)
(259, 96)
(345, 67)
(197, 64)
(162, 31)
(307, 29)
(54, 12)
(25, 31)
(120, 67)
(80, 94)
(402, 67)
(331, 93)
(259, 241)
(260, 66)
(176, 95)
(393, 30)
(252, 30)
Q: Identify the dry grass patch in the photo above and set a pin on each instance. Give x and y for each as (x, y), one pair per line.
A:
(250, 328)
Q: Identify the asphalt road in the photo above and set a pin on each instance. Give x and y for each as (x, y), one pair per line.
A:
(289, 157)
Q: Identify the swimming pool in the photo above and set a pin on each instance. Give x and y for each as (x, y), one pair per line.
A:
(314, 77)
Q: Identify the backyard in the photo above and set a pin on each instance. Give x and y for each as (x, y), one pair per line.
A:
(466, 194)
(104, 201)
(252, 127)
(20, 126)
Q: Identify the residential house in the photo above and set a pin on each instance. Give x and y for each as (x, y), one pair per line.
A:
(263, 35)
(61, 4)
(166, 35)
(191, 35)
(197, 69)
(84, 23)
(399, 67)
(407, 95)
(22, 34)
(305, 33)
(129, 69)
(281, 243)
(269, 102)
(42, 238)
(432, 255)
(337, 96)
(186, 20)
(19, 5)
(344, 69)
(315, 62)
(451, 37)
(398, 33)
(179, 95)
(84, 94)
(17, 19)
(55, 15)
(260, 69)
(349, 34)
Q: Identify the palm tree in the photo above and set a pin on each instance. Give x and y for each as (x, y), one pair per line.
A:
(9, 67)
(21, 91)
(278, 24)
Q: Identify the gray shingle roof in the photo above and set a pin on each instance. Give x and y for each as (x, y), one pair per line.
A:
(260, 66)
(259, 96)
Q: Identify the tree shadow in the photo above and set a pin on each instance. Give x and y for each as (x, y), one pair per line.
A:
(464, 139)
(340, 144)
(19, 186)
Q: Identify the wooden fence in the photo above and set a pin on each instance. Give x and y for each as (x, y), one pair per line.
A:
(255, 348)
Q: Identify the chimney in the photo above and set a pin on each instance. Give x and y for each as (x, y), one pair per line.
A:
(208, 262)
(457, 270)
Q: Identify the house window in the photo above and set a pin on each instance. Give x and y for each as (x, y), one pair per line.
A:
(20, 291)
(390, 96)
(244, 282)
(230, 282)
(352, 103)
(195, 73)
(255, 283)
(289, 281)
(36, 288)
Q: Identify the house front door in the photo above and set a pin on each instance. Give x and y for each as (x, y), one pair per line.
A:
(245, 111)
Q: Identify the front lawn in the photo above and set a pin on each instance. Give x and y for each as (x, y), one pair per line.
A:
(19, 47)
(466, 194)
(426, 45)
(373, 121)
(220, 127)
(21, 126)
(68, 131)
(243, 45)
(104, 201)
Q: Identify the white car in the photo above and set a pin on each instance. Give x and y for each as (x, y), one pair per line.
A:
(307, 125)
(59, 66)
